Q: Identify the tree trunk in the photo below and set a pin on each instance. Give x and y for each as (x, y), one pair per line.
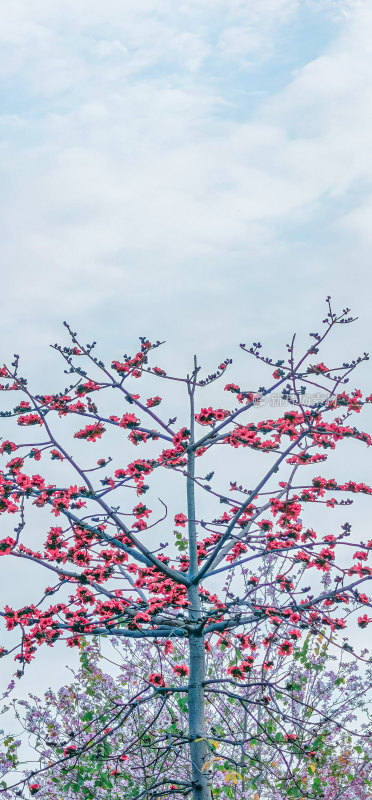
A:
(199, 750)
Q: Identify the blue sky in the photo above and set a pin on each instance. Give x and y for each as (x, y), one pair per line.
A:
(157, 156)
(198, 172)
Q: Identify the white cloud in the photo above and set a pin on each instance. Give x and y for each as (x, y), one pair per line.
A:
(60, 36)
(134, 143)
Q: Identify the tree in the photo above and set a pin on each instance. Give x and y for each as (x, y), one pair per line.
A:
(323, 755)
(162, 595)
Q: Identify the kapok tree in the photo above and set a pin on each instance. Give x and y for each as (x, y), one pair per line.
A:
(117, 579)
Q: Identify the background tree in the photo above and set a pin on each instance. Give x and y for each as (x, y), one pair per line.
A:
(126, 583)
(321, 699)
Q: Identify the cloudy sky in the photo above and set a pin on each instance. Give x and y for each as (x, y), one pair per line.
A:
(196, 171)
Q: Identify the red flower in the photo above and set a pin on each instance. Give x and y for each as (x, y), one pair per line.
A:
(294, 633)
(129, 421)
(141, 511)
(156, 679)
(139, 525)
(235, 671)
(364, 621)
(90, 432)
(30, 419)
(317, 369)
(6, 545)
(36, 454)
(136, 437)
(208, 415)
(69, 750)
(7, 447)
(232, 387)
(56, 454)
(181, 669)
(180, 519)
(285, 648)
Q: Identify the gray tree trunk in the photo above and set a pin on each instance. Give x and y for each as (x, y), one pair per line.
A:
(199, 750)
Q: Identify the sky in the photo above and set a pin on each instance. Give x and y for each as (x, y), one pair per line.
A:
(196, 172)
(199, 172)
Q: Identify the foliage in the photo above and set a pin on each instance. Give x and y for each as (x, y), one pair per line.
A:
(304, 744)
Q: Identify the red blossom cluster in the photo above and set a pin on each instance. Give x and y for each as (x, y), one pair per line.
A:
(91, 432)
(208, 416)
(247, 396)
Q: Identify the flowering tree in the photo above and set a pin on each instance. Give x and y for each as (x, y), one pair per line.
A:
(127, 584)
(319, 694)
